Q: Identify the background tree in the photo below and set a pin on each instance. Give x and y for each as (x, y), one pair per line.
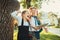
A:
(6, 21)
(28, 2)
(58, 23)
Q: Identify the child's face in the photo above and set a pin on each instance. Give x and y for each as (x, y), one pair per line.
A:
(26, 15)
(34, 12)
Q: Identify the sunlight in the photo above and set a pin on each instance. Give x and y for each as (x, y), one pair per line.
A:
(51, 5)
(19, 0)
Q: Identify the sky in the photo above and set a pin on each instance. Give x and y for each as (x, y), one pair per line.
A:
(51, 6)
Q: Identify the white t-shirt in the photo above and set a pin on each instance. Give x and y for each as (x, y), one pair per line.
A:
(32, 22)
(19, 19)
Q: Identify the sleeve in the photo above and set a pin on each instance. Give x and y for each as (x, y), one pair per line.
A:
(34, 22)
(14, 14)
(17, 17)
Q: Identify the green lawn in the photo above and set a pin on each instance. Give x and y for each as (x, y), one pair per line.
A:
(49, 36)
(44, 36)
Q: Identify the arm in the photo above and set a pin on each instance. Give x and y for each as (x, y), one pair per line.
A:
(32, 24)
(39, 27)
(14, 14)
(45, 29)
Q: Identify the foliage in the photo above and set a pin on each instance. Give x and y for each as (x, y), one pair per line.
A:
(28, 3)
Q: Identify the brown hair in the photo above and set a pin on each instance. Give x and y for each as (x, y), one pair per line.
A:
(23, 12)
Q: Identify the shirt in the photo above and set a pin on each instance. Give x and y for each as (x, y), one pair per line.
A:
(19, 19)
(33, 23)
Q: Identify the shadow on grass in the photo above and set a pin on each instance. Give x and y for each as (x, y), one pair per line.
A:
(49, 37)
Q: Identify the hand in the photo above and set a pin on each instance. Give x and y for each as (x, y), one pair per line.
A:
(46, 29)
(27, 18)
(33, 27)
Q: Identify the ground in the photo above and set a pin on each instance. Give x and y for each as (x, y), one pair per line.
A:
(44, 36)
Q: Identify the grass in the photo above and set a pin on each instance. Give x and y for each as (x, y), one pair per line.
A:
(44, 36)
(15, 35)
(49, 36)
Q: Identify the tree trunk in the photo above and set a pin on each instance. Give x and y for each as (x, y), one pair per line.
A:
(28, 3)
(6, 21)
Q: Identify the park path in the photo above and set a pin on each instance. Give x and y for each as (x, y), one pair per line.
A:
(55, 31)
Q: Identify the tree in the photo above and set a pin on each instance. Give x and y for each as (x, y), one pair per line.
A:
(28, 3)
(58, 23)
(6, 21)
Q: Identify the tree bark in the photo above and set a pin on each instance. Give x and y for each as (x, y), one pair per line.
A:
(6, 21)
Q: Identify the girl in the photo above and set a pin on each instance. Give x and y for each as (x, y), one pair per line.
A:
(23, 25)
